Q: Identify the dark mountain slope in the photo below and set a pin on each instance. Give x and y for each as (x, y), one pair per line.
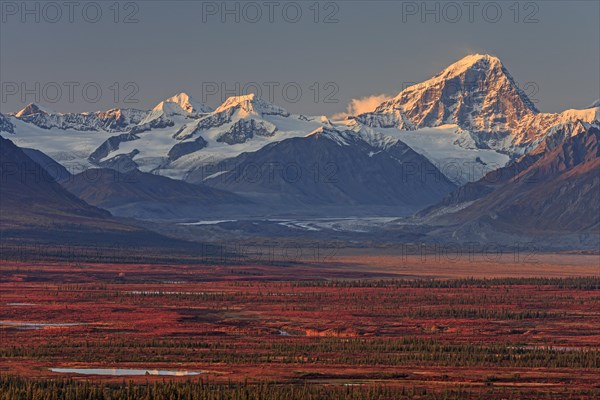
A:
(37, 211)
(144, 195)
(335, 168)
(557, 192)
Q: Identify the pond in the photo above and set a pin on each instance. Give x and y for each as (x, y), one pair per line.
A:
(124, 371)
(36, 325)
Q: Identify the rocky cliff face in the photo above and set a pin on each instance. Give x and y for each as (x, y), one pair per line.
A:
(244, 130)
(478, 94)
(6, 125)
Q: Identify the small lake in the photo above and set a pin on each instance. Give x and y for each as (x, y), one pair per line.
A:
(36, 325)
(124, 371)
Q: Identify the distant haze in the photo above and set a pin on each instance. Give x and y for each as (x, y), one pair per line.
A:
(309, 59)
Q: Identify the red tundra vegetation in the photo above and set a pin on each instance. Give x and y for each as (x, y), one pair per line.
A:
(302, 332)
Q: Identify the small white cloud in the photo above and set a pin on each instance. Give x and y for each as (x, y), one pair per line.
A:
(362, 105)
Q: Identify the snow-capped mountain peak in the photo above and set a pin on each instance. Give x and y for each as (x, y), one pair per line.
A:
(182, 104)
(250, 104)
(369, 135)
(342, 137)
(352, 133)
(325, 131)
(474, 84)
(242, 117)
(31, 109)
(478, 94)
(469, 62)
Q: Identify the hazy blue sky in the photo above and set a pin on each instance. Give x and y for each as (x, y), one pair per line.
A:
(373, 48)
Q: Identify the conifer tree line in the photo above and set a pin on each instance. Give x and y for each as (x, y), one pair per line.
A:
(17, 388)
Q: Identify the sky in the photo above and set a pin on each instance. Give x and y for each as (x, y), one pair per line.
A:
(309, 57)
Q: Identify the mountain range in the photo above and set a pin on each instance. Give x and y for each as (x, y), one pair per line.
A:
(458, 149)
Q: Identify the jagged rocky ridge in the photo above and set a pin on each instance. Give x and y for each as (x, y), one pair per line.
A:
(114, 120)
